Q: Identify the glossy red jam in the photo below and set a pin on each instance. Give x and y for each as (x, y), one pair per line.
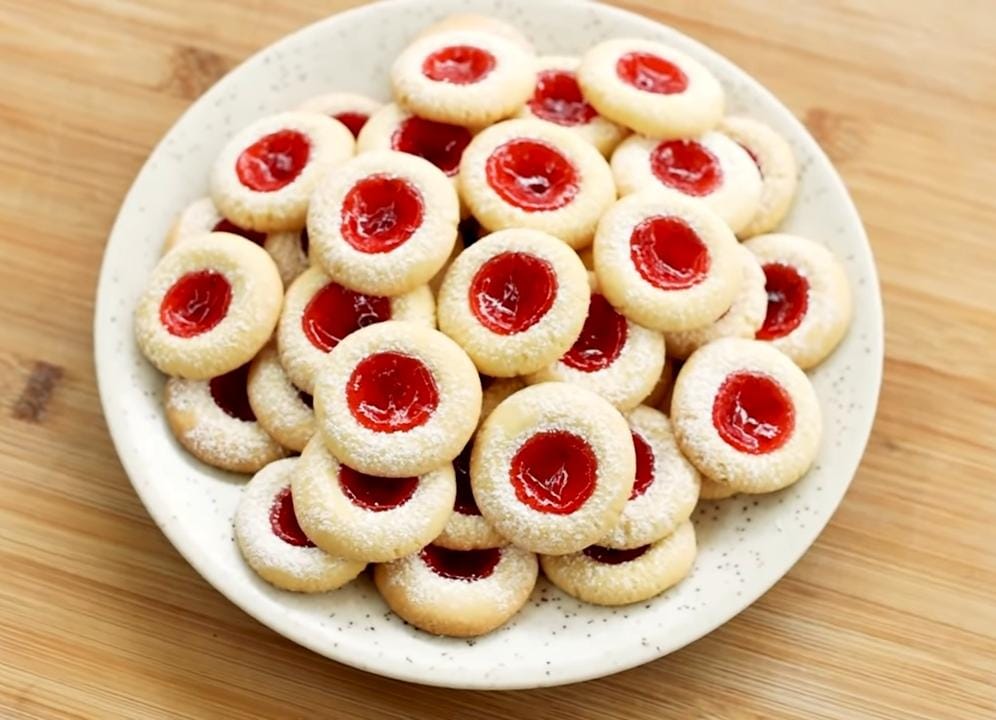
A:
(644, 466)
(554, 472)
(373, 493)
(465, 565)
(601, 340)
(458, 64)
(284, 521)
(532, 175)
(753, 413)
(465, 504)
(439, 143)
(512, 291)
(229, 393)
(379, 213)
(391, 392)
(334, 312)
(273, 161)
(686, 165)
(195, 303)
(668, 254)
(226, 225)
(609, 556)
(788, 300)
(651, 73)
(558, 99)
(354, 121)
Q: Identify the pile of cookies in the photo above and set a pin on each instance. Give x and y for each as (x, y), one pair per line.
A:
(506, 321)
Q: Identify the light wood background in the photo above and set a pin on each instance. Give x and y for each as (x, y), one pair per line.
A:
(892, 613)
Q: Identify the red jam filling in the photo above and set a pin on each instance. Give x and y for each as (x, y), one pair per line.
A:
(532, 175)
(354, 121)
(788, 300)
(465, 565)
(379, 213)
(558, 99)
(284, 521)
(458, 64)
(465, 504)
(373, 493)
(335, 312)
(391, 392)
(668, 254)
(651, 73)
(226, 225)
(439, 143)
(602, 338)
(229, 393)
(686, 165)
(512, 291)
(609, 556)
(753, 413)
(273, 161)
(644, 466)
(554, 472)
(195, 303)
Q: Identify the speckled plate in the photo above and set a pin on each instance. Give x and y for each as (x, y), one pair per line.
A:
(745, 545)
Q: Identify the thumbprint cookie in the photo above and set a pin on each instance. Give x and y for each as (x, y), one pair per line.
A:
(200, 217)
(527, 173)
(273, 543)
(481, 23)
(667, 261)
(515, 301)
(319, 312)
(351, 109)
(210, 305)
(745, 415)
(650, 87)
(809, 301)
(466, 528)
(603, 576)
(353, 515)
(264, 176)
(383, 223)
(461, 593)
(284, 411)
(552, 467)
(397, 399)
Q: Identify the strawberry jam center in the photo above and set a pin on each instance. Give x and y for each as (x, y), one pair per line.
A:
(335, 312)
(465, 504)
(651, 73)
(195, 303)
(558, 99)
(464, 565)
(284, 523)
(601, 340)
(374, 493)
(226, 225)
(229, 393)
(458, 64)
(437, 142)
(788, 300)
(644, 466)
(753, 413)
(687, 166)
(668, 254)
(273, 161)
(554, 472)
(379, 213)
(610, 556)
(354, 121)
(391, 392)
(512, 291)
(532, 175)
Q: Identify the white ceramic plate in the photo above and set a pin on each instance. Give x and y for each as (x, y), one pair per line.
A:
(745, 545)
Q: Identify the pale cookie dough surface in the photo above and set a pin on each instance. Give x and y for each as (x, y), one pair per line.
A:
(481, 23)
(352, 107)
(278, 403)
(288, 252)
(466, 528)
(195, 219)
(712, 490)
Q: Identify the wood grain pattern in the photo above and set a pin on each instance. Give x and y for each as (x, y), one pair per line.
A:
(891, 614)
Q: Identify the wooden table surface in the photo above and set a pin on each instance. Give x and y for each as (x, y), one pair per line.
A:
(891, 614)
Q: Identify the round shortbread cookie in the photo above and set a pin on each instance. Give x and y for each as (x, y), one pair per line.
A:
(666, 260)
(515, 301)
(666, 487)
(397, 399)
(362, 517)
(745, 415)
(213, 420)
(552, 467)
(651, 87)
(384, 223)
(534, 174)
(482, 23)
(458, 593)
(619, 577)
(712, 168)
(264, 176)
(289, 250)
(284, 410)
(809, 300)
(319, 312)
(210, 305)
(351, 109)
(712, 490)
(273, 543)
(466, 528)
